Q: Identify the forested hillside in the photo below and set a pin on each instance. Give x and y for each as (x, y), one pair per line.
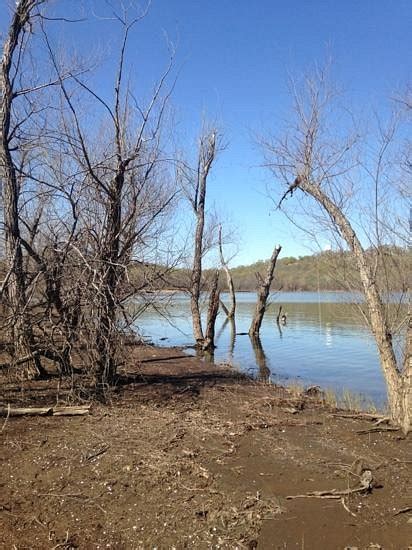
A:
(324, 271)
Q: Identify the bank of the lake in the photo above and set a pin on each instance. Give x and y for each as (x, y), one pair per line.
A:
(186, 454)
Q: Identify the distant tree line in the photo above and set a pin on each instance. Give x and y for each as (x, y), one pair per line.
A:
(327, 270)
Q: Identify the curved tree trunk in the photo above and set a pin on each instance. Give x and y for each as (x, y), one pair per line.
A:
(399, 382)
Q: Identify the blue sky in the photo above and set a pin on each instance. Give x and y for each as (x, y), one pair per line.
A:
(233, 59)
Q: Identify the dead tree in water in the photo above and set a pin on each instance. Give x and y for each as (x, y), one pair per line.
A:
(263, 293)
(213, 309)
(229, 312)
(208, 148)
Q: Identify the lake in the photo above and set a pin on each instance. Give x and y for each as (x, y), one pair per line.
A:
(324, 341)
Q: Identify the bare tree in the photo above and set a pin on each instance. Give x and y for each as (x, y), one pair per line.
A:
(318, 163)
(122, 195)
(15, 285)
(229, 312)
(195, 186)
(263, 293)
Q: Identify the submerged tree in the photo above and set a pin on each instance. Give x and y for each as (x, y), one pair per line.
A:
(263, 293)
(229, 281)
(356, 200)
(195, 188)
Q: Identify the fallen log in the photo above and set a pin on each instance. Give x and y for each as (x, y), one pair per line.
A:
(77, 410)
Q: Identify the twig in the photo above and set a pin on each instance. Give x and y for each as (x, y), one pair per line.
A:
(6, 419)
(378, 429)
(403, 511)
(347, 508)
(316, 494)
(21, 361)
(63, 495)
(101, 451)
(384, 420)
(360, 416)
(366, 484)
(62, 544)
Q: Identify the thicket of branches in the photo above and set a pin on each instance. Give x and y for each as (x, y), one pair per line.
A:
(87, 189)
(90, 183)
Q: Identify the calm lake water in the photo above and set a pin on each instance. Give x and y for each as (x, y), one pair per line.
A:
(323, 342)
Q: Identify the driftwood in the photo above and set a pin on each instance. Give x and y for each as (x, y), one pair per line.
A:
(362, 416)
(376, 429)
(77, 410)
(366, 484)
(403, 511)
(378, 420)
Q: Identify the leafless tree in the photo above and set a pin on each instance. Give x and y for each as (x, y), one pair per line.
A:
(124, 196)
(195, 188)
(316, 160)
(263, 293)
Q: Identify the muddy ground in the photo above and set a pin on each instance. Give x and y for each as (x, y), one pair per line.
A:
(188, 455)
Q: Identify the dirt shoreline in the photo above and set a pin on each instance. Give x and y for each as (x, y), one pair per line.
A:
(192, 455)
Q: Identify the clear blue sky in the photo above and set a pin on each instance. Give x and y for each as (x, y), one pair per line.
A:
(233, 58)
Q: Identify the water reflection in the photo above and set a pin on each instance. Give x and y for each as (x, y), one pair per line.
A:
(322, 340)
(261, 360)
(232, 339)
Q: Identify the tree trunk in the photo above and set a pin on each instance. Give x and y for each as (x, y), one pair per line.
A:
(213, 309)
(106, 341)
(405, 390)
(229, 312)
(197, 259)
(197, 275)
(263, 294)
(398, 383)
(206, 156)
(21, 332)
